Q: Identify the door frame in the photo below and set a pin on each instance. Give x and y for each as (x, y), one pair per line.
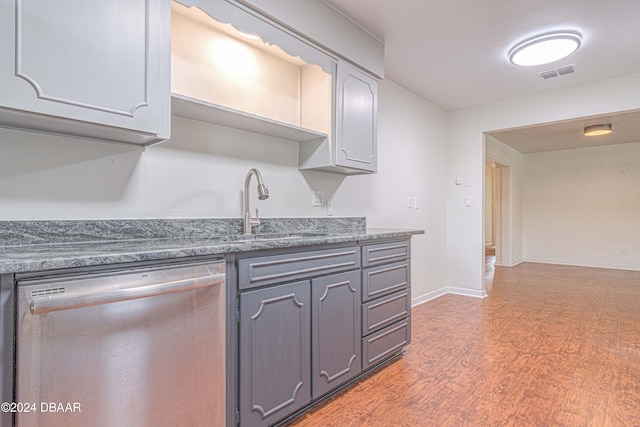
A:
(502, 208)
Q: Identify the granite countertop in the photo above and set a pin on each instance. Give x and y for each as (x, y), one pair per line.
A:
(45, 245)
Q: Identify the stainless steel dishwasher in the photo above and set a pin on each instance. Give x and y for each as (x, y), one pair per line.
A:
(142, 347)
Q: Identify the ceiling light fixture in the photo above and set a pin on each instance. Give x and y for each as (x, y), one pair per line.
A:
(596, 130)
(545, 48)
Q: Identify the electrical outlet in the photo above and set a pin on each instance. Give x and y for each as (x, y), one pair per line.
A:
(467, 201)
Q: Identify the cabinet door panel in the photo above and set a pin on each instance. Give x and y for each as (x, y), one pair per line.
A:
(383, 253)
(91, 61)
(385, 279)
(336, 330)
(357, 111)
(385, 343)
(260, 271)
(274, 353)
(91, 78)
(384, 311)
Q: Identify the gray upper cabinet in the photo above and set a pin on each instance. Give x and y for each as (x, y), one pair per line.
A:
(91, 68)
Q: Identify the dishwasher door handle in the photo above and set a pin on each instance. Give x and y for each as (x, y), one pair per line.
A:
(110, 296)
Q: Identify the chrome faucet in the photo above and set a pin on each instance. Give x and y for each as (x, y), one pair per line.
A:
(263, 194)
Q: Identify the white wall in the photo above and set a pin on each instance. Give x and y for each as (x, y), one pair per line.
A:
(411, 163)
(466, 158)
(582, 206)
(200, 173)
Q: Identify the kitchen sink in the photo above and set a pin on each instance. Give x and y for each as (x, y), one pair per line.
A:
(274, 236)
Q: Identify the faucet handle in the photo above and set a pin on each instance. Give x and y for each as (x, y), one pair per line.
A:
(255, 221)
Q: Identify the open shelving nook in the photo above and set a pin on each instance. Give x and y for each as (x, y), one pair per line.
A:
(225, 75)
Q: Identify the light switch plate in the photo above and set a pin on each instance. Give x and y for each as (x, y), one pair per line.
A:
(318, 199)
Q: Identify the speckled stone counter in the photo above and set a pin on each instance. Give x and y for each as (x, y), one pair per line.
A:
(45, 245)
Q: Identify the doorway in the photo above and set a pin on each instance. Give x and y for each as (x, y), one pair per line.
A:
(497, 223)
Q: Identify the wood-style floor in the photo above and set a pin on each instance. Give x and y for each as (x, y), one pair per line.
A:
(551, 346)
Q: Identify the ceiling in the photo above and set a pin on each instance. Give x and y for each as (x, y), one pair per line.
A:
(454, 53)
(569, 134)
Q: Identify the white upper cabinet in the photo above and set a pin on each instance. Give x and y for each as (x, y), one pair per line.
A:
(225, 72)
(90, 68)
(233, 67)
(356, 119)
(352, 145)
(319, 22)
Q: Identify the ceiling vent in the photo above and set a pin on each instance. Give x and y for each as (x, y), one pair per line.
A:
(557, 72)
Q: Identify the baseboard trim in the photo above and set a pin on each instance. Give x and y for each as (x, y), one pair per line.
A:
(466, 292)
(428, 297)
(447, 290)
(580, 264)
(497, 264)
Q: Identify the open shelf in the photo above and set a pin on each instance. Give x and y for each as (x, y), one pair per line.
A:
(195, 109)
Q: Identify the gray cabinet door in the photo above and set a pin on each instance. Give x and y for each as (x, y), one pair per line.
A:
(275, 377)
(335, 330)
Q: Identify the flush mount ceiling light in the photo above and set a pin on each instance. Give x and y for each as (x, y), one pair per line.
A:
(596, 130)
(545, 48)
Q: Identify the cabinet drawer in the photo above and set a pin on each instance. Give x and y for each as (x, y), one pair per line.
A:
(260, 271)
(382, 280)
(385, 252)
(379, 313)
(382, 344)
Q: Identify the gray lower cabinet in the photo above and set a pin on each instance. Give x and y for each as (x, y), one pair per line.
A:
(297, 340)
(386, 300)
(335, 326)
(275, 343)
(310, 321)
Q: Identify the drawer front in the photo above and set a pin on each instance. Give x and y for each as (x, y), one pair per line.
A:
(379, 313)
(382, 280)
(260, 271)
(377, 347)
(385, 252)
